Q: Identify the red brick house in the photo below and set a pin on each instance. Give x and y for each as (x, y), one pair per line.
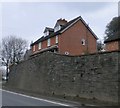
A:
(112, 43)
(71, 38)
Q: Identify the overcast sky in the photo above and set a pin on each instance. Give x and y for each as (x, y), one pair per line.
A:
(28, 20)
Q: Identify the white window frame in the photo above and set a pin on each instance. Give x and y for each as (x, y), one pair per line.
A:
(46, 33)
(56, 39)
(33, 47)
(66, 53)
(48, 42)
(39, 45)
(57, 28)
(83, 41)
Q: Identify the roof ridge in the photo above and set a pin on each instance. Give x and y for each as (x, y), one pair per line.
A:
(65, 27)
(49, 27)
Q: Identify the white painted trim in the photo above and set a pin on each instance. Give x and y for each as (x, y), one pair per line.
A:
(57, 28)
(83, 41)
(46, 33)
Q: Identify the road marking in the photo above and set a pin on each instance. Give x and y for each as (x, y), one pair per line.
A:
(58, 103)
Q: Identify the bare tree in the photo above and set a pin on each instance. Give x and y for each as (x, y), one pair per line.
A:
(99, 45)
(13, 50)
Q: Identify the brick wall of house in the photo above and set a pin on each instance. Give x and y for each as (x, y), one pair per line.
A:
(32, 49)
(52, 41)
(92, 43)
(112, 46)
(44, 44)
(70, 40)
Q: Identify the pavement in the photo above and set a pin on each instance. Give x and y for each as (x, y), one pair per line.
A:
(15, 99)
(23, 98)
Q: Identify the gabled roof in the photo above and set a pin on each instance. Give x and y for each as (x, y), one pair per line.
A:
(64, 28)
(70, 23)
(48, 29)
(112, 38)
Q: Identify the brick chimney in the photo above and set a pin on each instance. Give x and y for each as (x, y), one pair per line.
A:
(61, 21)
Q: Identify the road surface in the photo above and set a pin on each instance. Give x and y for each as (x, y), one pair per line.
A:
(15, 99)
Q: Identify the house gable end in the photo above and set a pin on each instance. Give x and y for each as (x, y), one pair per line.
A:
(72, 22)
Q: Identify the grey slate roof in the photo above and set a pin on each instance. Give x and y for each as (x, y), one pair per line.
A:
(63, 28)
(49, 29)
(112, 38)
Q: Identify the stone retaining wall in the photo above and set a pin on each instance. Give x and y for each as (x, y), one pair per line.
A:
(89, 76)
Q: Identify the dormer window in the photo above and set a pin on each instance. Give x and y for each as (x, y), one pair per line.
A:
(59, 24)
(57, 28)
(46, 33)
